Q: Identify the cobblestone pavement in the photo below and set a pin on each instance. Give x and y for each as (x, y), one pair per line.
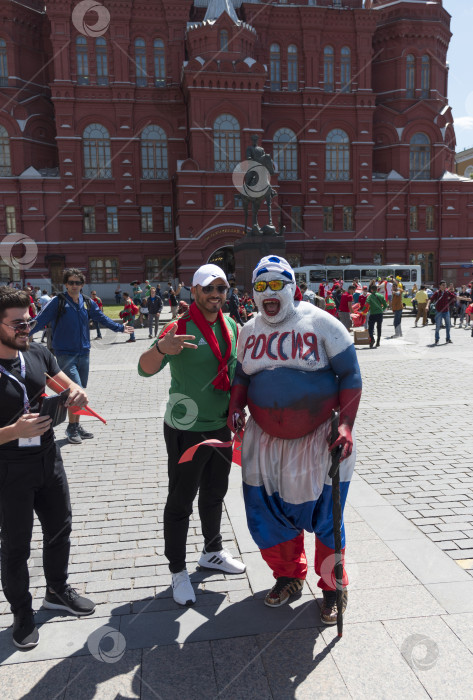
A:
(408, 628)
(415, 446)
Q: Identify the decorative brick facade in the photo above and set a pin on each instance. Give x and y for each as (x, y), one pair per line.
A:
(118, 148)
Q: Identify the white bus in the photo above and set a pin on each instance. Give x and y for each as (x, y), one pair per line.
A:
(313, 275)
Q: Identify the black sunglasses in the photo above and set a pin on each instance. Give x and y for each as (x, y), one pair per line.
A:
(221, 288)
(73, 283)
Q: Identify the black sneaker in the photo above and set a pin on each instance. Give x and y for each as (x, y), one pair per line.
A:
(72, 433)
(449, 341)
(68, 600)
(83, 433)
(25, 632)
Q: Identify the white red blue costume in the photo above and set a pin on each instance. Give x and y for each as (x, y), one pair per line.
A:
(295, 364)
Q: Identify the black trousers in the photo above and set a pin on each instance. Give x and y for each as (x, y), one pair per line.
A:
(372, 320)
(207, 473)
(28, 485)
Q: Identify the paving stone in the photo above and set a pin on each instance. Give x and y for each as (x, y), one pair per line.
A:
(35, 681)
(239, 670)
(462, 625)
(226, 621)
(368, 646)
(67, 638)
(369, 551)
(195, 679)
(435, 654)
(426, 561)
(114, 677)
(455, 597)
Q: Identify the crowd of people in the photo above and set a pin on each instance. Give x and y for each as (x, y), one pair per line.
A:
(363, 306)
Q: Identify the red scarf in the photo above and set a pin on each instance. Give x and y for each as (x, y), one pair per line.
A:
(222, 380)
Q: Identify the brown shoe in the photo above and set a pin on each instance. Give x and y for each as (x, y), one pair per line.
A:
(328, 611)
(282, 590)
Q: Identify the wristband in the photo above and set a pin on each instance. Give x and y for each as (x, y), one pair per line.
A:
(157, 348)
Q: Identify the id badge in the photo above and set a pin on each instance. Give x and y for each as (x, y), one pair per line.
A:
(30, 442)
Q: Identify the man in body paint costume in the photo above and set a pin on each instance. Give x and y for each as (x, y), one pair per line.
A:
(295, 364)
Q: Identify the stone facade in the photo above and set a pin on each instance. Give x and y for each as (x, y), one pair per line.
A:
(121, 130)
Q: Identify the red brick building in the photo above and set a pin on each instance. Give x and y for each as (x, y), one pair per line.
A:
(119, 132)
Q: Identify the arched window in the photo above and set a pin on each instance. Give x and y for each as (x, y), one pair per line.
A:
(337, 156)
(3, 63)
(425, 77)
(345, 70)
(224, 40)
(410, 76)
(140, 63)
(285, 154)
(328, 69)
(154, 153)
(419, 157)
(292, 69)
(82, 61)
(101, 60)
(275, 66)
(227, 149)
(159, 63)
(97, 152)
(5, 162)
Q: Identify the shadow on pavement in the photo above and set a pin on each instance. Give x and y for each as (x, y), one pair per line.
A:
(240, 650)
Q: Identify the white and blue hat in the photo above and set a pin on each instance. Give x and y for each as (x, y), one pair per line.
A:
(273, 263)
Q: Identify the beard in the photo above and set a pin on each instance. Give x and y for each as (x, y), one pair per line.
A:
(17, 343)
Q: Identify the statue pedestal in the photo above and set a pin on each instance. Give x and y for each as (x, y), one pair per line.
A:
(249, 251)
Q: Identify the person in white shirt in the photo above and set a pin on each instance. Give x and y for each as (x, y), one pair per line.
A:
(43, 300)
(389, 291)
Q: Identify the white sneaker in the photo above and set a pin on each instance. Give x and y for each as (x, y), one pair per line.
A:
(223, 561)
(182, 590)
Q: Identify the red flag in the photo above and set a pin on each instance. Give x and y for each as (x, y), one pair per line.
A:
(87, 411)
(188, 455)
(237, 443)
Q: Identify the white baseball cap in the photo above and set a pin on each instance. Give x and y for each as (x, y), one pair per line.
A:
(207, 274)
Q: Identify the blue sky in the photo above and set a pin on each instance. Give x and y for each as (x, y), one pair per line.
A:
(460, 90)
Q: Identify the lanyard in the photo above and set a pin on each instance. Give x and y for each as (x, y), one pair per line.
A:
(26, 403)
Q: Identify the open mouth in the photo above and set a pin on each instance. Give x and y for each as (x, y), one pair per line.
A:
(271, 307)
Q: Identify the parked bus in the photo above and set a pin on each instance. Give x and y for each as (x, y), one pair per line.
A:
(313, 275)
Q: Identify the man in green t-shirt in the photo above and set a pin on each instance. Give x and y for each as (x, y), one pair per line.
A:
(200, 348)
(377, 304)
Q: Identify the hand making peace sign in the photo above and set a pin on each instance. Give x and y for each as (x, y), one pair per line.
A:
(172, 344)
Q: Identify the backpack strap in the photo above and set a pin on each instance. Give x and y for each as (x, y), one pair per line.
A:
(60, 309)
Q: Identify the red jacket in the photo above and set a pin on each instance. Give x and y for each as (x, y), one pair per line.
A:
(443, 300)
